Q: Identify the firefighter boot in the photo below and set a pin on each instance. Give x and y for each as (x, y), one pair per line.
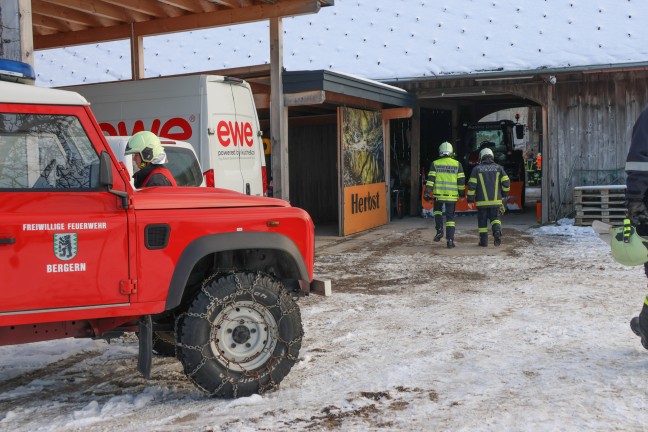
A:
(439, 234)
(483, 239)
(450, 230)
(639, 326)
(498, 238)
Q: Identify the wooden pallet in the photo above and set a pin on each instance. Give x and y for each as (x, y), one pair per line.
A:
(604, 203)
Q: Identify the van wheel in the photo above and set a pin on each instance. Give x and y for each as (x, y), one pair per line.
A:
(241, 335)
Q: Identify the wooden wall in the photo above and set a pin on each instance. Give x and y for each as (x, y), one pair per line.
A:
(590, 120)
(313, 171)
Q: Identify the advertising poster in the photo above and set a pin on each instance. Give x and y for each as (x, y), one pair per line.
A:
(363, 170)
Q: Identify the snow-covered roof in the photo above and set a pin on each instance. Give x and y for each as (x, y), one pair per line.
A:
(387, 40)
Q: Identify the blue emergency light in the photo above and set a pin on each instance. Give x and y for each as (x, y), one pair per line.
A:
(16, 71)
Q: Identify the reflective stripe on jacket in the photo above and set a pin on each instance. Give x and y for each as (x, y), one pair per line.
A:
(154, 175)
(488, 184)
(445, 179)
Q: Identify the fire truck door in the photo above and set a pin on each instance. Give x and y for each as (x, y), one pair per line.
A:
(63, 240)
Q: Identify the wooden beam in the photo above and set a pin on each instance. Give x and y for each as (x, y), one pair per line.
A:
(183, 5)
(82, 37)
(170, 25)
(42, 22)
(262, 100)
(51, 11)
(99, 9)
(227, 3)
(206, 6)
(148, 7)
(253, 70)
(226, 17)
(396, 113)
(316, 97)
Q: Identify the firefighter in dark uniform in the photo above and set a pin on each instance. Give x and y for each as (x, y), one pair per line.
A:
(636, 200)
(149, 156)
(487, 188)
(447, 182)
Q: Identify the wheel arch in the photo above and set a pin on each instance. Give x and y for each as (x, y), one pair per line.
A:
(214, 244)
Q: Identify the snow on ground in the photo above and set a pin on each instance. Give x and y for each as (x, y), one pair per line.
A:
(532, 335)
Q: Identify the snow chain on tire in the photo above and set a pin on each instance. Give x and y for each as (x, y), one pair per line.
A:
(241, 335)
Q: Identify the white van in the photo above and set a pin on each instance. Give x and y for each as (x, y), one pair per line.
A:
(182, 160)
(215, 114)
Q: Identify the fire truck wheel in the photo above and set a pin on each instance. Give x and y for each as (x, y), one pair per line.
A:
(241, 335)
(164, 343)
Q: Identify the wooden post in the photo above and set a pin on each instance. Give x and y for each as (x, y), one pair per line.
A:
(387, 165)
(137, 55)
(16, 37)
(415, 161)
(278, 114)
(548, 156)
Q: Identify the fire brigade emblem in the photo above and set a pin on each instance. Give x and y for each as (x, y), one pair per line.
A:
(65, 246)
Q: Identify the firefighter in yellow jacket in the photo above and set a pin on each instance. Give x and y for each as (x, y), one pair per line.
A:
(488, 188)
(447, 182)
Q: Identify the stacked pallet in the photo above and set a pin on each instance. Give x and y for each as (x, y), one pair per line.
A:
(604, 203)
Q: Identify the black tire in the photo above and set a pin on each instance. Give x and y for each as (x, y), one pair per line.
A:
(164, 343)
(240, 336)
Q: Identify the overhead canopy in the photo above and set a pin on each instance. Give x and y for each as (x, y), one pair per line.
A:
(58, 23)
(320, 84)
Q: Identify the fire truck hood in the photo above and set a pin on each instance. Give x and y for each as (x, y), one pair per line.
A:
(165, 197)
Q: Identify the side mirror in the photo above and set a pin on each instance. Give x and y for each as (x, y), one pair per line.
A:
(519, 131)
(106, 177)
(105, 170)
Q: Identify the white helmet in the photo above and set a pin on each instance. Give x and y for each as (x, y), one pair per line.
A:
(485, 153)
(445, 149)
(148, 145)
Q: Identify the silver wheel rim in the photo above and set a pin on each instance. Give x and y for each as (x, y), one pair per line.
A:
(245, 336)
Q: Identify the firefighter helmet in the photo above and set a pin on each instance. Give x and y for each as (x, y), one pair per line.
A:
(485, 153)
(629, 250)
(445, 149)
(148, 145)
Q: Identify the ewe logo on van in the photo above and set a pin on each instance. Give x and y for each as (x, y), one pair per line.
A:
(175, 128)
(235, 134)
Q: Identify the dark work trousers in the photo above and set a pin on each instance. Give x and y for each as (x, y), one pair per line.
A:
(484, 216)
(449, 215)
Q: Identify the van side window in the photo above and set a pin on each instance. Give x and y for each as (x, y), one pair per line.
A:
(46, 152)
